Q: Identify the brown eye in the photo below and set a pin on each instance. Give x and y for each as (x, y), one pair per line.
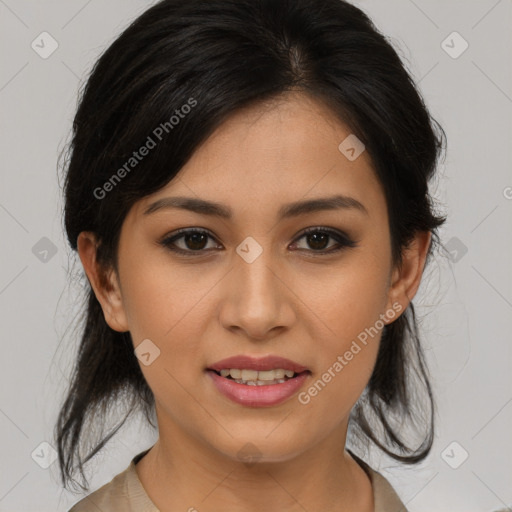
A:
(317, 239)
(194, 240)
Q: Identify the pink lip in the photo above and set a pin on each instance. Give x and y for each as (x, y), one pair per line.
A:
(259, 364)
(258, 396)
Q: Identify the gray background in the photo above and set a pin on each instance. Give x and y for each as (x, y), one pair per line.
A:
(465, 300)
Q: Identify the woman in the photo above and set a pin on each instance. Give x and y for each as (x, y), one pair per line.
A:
(247, 189)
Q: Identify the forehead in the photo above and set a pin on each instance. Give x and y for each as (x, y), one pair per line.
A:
(270, 154)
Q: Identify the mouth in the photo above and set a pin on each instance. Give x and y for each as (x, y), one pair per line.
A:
(258, 382)
(258, 378)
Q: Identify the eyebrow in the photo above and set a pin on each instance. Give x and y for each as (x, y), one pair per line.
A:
(289, 210)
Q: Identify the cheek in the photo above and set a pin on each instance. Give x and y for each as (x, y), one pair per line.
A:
(164, 304)
(346, 323)
(349, 298)
(159, 297)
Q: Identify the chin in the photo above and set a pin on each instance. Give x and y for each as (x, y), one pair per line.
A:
(253, 450)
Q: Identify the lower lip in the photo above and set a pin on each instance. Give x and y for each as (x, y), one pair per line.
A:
(258, 396)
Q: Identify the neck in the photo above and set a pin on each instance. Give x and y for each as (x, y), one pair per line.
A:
(179, 473)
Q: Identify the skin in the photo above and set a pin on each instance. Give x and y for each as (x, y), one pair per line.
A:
(203, 308)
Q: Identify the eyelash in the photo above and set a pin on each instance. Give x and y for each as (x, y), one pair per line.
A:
(343, 240)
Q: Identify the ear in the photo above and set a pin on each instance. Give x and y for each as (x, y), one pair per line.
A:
(103, 282)
(406, 280)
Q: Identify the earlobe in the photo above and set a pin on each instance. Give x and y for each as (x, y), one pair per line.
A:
(103, 282)
(406, 279)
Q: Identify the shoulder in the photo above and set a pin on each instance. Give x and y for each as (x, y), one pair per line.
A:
(111, 495)
(384, 496)
(124, 493)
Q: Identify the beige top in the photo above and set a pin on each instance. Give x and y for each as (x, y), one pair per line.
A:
(124, 493)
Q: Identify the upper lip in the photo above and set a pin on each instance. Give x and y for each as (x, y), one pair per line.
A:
(244, 362)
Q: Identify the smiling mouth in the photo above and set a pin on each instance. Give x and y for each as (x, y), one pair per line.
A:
(258, 378)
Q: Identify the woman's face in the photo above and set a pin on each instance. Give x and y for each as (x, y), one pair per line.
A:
(256, 285)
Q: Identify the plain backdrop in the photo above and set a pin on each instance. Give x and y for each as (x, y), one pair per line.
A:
(460, 53)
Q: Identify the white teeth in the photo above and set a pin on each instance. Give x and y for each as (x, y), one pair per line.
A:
(249, 375)
(259, 382)
(271, 374)
(236, 374)
(257, 378)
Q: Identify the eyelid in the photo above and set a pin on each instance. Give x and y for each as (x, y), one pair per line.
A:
(176, 235)
(324, 229)
(340, 236)
(344, 240)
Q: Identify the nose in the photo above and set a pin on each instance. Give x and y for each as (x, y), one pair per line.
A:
(256, 299)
